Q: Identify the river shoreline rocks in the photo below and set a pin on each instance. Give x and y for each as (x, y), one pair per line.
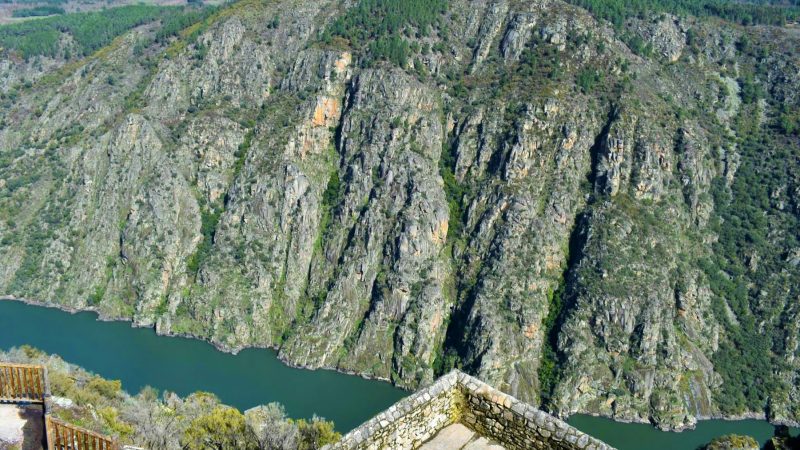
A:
(289, 363)
(527, 183)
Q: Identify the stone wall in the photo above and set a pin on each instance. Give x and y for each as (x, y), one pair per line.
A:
(458, 397)
(411, 421)
(515, 424)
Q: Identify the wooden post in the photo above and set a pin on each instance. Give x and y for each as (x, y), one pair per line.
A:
(13, 384)
(46, 382)
(39, 384)
(56, 438)
(26, 379)
(48, 432)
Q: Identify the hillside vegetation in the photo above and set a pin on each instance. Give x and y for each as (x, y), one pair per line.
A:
(164, 421)
(46, 10)
(87, 32)
(593, 206)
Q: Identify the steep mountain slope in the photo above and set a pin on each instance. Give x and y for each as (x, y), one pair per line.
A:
(497, 185)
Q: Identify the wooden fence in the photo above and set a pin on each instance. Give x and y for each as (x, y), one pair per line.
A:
(22, 383)
(63, 436)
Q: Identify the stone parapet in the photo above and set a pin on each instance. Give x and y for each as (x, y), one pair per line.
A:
(458, 397)
(409, 422)
(518, 425)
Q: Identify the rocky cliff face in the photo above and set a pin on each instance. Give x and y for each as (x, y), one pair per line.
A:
(524, 197)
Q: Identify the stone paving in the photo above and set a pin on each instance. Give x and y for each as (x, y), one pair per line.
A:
(21, 427)
(459, 437)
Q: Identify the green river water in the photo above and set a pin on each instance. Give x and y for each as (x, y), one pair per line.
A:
(638, 436)
(138, 357)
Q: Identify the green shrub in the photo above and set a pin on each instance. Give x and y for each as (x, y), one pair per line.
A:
(587, 79)
(316, 433)
(209, 218)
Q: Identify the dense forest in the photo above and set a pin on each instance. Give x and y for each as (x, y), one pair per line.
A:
(756, 234)
(91, 30)
(745, 13)
(34, 2)
(45, 10)
(379, 26)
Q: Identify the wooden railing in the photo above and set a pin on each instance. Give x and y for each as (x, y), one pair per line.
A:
(64, 436)
(25, 383)
(22, 383)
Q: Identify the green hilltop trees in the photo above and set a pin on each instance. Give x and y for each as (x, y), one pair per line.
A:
(379, 27)
(91, 31)
(46, 10)
(746, 13)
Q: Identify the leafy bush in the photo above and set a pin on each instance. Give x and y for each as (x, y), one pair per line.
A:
(637, 44)
(209, 219)
(587, 79)
(222, 428)
(316, 433)
(330, 200)
(169, 422)
(732, 441)
(454, 191)
(789, 123)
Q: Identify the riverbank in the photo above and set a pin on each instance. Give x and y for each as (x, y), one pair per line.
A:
(152, 421)
(631, 436)
(139, 358)
(262, 376)
(217, 345)
(757, 416)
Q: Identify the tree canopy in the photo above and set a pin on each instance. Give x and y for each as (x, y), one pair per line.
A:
(89, 31)
(379, 26)
(747, 13)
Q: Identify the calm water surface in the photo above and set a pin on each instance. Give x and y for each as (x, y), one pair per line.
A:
(139, 358)
(638, 436)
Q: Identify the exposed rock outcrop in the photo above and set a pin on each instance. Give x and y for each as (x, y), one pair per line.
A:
(525, 198)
